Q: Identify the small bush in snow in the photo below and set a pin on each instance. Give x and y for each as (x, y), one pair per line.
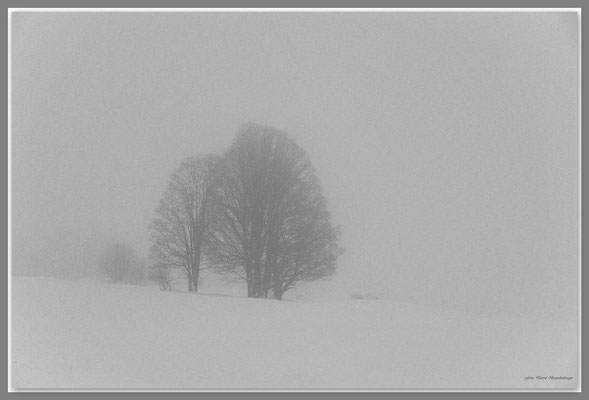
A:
(161, 275)
(359, 296)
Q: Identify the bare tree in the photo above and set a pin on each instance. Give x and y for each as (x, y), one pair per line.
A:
(181, 223)
(271, 227)
(117, 262)
(305, 246)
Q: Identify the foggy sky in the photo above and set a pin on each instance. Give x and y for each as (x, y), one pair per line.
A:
(446, 143)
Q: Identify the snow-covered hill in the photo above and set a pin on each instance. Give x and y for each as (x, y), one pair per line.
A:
(92, 335)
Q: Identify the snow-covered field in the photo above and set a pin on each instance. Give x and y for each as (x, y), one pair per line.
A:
(99, 336)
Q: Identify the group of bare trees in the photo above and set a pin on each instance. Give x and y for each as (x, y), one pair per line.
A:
(256, 214)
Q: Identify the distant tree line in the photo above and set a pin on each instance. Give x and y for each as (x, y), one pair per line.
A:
(255, 214)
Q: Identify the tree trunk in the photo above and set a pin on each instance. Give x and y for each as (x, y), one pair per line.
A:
(266, 278)
(259, 284)
(250, 286)
(189, 276)
(195, 273)
(278, 293)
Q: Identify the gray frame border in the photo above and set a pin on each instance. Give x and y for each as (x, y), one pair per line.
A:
(256, 4)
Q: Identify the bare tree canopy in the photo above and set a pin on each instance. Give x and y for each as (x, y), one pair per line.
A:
(271, 226)
(181, 223)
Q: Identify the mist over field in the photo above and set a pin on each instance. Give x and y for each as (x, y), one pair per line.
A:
(445, 147)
